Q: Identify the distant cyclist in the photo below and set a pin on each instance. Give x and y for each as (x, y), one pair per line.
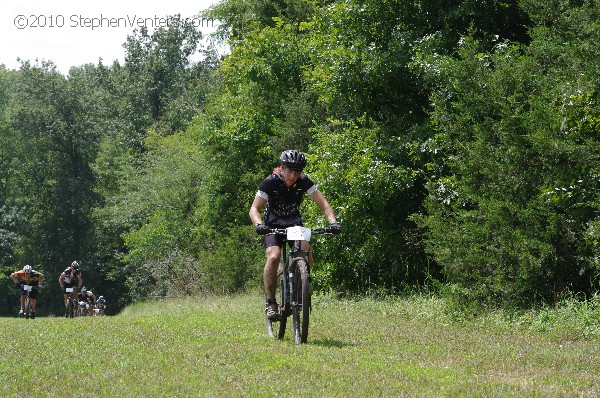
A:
(68, 279)
(31, 277)
(88, 298)
(101, 305)
(282, 192)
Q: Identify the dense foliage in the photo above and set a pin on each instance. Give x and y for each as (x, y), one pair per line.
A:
(458, 143)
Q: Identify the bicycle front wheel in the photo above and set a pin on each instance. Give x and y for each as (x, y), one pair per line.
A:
(27, 307)
(301, 302)
(284, 306)
(70, 308)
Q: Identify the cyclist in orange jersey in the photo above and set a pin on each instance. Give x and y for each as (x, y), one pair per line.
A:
(31, 277)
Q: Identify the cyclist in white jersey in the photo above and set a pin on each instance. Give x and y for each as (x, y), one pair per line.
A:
(71, 277)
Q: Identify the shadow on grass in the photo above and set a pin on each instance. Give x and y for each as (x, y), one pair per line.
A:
(327, 342)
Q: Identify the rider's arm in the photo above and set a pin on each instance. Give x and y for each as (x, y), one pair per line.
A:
(80, 279)
(326, 208)
(41, 279)
(60, 279)
(13, 276)
(255, 209)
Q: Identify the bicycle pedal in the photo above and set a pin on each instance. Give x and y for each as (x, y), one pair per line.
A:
(275, 318)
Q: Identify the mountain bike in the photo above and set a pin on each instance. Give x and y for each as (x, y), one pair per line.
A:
(71, 312)
(293, 287)
(28, 308)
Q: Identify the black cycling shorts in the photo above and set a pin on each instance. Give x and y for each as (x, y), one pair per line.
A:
(273, 240)
(32, 294)
(276, 239)
(70, 284)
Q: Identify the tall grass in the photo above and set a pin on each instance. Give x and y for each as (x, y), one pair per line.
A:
(217, 346)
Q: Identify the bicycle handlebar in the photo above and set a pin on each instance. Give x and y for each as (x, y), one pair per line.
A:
(315, 231)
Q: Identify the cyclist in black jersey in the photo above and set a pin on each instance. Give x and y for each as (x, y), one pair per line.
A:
(281, 195)
(89, 298)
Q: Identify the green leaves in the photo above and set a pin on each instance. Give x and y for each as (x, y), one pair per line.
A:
(358, 55)
(518, 151)
(368, 179)
(426, 118)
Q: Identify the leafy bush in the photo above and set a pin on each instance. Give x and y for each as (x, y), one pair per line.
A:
(509, 218)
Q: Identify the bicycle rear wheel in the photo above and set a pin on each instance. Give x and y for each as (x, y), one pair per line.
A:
(301, 302)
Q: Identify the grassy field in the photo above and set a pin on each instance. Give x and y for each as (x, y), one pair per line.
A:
(215, 347)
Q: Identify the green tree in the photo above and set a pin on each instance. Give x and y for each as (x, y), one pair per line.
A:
(56, 141)
(374, 184)
(239, 18)
(152, 98)
(509, 216)
(337, 81)
(161, 257)
(161, 72)
(10, 218)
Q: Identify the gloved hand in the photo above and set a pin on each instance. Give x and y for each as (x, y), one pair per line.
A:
(261, 229)
(335, 228)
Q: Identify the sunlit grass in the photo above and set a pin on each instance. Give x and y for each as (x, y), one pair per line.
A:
(217, 346)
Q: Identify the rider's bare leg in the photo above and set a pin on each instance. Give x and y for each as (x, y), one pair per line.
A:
(307, 248)
(273, 254)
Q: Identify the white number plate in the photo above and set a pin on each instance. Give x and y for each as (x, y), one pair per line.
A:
(69, 290)
(27, 287)
(298, 233)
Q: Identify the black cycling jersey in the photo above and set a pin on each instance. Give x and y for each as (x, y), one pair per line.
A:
(283, 203)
